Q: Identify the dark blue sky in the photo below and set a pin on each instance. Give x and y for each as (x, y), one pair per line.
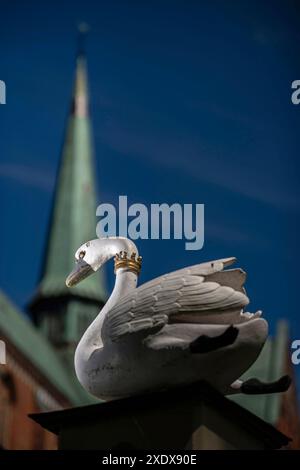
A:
(190, 103)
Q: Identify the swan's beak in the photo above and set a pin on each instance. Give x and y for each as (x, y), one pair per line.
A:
(80, 272)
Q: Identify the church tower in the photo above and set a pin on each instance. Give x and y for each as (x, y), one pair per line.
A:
(63, 314)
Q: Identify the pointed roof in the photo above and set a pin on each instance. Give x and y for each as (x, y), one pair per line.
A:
(73, 219)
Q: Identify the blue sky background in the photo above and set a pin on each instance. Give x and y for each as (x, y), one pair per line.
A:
(191, 103)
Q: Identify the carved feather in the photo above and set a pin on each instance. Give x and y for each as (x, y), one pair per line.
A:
(197, 294)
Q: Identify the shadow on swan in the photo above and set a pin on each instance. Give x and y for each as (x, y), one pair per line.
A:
(182, 327)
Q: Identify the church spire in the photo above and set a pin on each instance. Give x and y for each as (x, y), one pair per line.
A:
(72, 222)
(80, 94)
(83, 30)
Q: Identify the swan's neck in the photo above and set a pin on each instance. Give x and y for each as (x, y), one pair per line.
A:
(126, 282)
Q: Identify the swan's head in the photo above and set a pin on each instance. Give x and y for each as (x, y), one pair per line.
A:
(85, 264)
(93, 254)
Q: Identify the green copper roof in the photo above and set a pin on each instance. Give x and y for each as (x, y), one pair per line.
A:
(27, 339)
(268, 367)
(73, 219)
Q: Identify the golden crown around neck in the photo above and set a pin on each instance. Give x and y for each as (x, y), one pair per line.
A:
(132, 263)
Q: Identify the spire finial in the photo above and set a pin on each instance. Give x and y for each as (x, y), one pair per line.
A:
(83, 29)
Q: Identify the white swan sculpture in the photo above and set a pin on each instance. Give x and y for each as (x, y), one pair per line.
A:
(173, 330)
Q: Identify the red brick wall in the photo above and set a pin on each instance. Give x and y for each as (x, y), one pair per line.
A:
(19, 382)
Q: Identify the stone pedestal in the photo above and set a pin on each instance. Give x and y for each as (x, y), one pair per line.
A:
(191, 417)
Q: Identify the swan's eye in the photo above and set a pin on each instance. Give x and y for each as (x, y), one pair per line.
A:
(81, 254)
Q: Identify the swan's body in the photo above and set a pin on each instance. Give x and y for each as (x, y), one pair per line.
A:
(160, 334)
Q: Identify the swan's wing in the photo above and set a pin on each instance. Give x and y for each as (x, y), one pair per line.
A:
(202, 293)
